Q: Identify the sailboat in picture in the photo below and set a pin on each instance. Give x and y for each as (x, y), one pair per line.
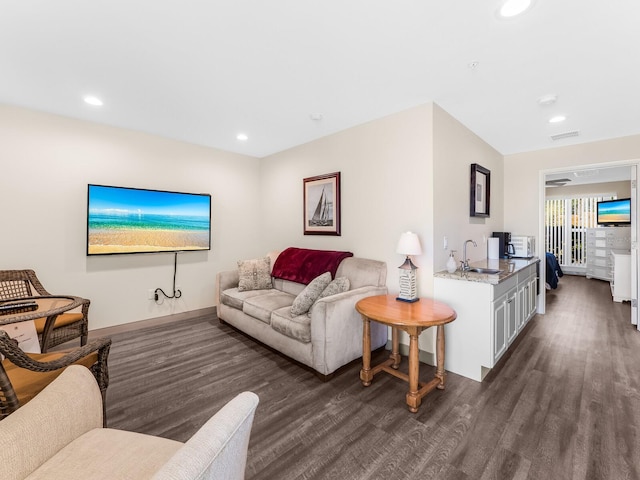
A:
(323, 214)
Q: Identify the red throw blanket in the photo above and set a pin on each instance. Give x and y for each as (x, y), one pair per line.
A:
(302, 265)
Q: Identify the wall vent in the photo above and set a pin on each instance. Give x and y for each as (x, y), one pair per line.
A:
(560, 136)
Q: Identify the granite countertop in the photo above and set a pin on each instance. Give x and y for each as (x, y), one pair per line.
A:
(508, 268)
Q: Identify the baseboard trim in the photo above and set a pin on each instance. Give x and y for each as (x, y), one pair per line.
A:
(150, 322)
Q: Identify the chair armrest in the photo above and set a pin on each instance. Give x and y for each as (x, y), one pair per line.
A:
(218, 450)
(67, 408)
(9, 348)
(336, 327)
(226, 280)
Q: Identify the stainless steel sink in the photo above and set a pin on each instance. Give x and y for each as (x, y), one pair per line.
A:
(488, 271)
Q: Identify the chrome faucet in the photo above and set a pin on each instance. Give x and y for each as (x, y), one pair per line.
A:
(465, 260)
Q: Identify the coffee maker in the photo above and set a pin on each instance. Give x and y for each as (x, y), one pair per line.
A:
(505, 247)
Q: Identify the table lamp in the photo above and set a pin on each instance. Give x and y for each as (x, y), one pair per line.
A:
(409, 244)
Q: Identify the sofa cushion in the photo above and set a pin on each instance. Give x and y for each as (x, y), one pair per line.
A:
(297, 327)
(338, 285)
(310, 294)
(93, 455)
(233, 298)
(254, 274)
(261, 306)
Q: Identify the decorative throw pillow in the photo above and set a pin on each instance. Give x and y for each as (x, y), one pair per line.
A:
(254, 274)
(339, 285)
(310, 294)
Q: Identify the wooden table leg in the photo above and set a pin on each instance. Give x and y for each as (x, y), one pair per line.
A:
(413, 397)
(440, 356)
(395, 348)
(365, 374)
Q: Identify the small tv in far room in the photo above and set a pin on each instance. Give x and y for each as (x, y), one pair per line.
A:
(614, 212)
(135, 220)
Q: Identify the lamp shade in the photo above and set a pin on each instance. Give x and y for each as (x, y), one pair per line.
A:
(409, 244)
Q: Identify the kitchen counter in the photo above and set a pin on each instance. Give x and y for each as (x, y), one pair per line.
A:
(492, 309)
(508, 267)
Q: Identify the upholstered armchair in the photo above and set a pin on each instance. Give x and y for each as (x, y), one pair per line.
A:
(24, 375)
(59, 436)
(24, 283)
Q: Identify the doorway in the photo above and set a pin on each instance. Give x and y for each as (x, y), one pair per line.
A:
(616, 178)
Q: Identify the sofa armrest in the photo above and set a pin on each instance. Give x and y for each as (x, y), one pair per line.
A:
(226, 280)
(67, 408)
(336, 328)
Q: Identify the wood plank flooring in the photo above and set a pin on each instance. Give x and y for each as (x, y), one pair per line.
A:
(564, 402)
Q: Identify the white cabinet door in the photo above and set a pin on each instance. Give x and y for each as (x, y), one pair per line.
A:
(499, 328)
(533, 297)
(513, 315)
(523, 304)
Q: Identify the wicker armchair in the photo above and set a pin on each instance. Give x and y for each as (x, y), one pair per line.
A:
(24, 375)
(23, 283)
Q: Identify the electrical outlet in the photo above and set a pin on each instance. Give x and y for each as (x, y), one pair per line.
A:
(151, 294)
(445, 243)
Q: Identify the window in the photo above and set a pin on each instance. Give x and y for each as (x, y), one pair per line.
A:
(566, 223)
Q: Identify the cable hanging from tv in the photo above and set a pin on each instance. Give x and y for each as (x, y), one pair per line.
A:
(176, 293)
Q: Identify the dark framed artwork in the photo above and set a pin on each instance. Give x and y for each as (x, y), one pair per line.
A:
(480, 191)
(322, 204)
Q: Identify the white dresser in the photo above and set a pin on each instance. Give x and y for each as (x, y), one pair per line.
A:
(620, 275)
(600, 243)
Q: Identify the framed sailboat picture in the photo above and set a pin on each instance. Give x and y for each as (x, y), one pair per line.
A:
(322, 204)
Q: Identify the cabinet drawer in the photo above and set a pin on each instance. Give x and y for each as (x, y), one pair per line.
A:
(600, 262)
(503, 287)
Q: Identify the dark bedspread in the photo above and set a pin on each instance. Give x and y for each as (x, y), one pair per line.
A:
(554, 272)
(303, 265)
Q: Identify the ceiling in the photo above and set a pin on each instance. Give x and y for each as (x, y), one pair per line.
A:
(588, 176)
(205, 70)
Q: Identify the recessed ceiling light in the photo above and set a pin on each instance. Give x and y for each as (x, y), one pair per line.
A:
(91, 100)
(511, 8)
(242, 137)
(557, 119)
(545, 100)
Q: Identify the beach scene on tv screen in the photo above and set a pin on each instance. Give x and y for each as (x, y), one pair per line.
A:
(614, 212)
(123, 220)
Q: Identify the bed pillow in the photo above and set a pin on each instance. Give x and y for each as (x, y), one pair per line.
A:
(254, 274)
(310, 294)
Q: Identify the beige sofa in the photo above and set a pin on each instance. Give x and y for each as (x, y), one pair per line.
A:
(59, 436)
(324, 340)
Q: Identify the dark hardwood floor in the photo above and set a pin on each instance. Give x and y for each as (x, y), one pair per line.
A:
(564, 402)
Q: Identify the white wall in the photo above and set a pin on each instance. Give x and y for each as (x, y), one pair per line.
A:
(455, 149)
(387, 188)
(408, 171)
(47, 162)
(388, 167)
(522, 175)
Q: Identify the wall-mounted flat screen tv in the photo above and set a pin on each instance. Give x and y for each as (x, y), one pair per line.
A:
(614, 212)
(135, 220)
